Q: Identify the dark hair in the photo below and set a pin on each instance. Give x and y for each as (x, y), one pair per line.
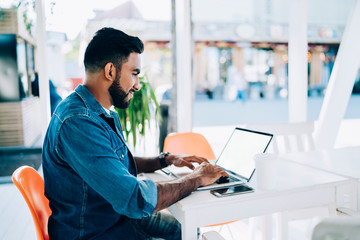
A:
(110, 45)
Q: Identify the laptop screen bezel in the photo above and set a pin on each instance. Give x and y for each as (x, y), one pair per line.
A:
(247, 130)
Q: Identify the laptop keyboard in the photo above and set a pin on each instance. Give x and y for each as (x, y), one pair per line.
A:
(233, 179)
(172, 175)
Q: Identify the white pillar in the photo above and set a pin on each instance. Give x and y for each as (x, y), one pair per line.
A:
(298, 46)
(42, 66)
(183, 66)
(341, 82)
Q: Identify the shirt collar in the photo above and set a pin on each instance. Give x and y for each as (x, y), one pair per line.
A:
(90, 101)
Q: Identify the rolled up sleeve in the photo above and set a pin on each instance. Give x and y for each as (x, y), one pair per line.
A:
(148, 192)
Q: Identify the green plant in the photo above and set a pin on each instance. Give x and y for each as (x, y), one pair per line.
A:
(134, 118)
(28, 6)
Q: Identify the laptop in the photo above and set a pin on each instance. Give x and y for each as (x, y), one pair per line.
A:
(237, 156)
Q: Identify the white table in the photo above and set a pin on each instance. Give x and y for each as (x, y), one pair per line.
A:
(341, 161)
(297, 187)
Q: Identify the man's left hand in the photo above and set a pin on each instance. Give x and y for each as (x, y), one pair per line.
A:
(184, 160)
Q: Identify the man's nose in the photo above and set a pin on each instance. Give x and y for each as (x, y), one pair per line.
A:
(137, 85)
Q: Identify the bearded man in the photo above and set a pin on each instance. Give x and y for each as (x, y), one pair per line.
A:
(90, 174)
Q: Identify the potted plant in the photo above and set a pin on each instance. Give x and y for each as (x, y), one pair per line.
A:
(135, 118)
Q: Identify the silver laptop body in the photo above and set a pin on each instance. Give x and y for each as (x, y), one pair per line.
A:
(237, 156)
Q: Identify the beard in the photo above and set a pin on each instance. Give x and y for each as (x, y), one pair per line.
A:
(117, 93)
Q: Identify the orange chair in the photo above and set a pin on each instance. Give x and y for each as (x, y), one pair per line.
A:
(31, 186)
(188, 143)
(192, 144)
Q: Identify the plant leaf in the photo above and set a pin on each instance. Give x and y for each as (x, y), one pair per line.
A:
(134, 118)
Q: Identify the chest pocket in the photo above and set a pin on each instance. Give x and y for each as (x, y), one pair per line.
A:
(121, 150)
(118, 145)
(122, 153)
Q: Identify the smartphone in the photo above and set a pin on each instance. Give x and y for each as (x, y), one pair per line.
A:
(233, 190)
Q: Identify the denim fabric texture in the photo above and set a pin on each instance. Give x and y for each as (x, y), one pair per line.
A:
(90, 174)
(161, 225)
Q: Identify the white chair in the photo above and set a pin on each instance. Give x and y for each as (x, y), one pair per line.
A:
(290, 137)
(337, 229)
(294, 137)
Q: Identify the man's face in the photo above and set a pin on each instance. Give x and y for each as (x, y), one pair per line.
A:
(126, 82)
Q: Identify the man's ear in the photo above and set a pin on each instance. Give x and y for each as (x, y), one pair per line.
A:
(110, 71)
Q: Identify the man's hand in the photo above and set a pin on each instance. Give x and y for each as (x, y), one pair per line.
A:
(209, 173)
(184, 160)
(170, 192)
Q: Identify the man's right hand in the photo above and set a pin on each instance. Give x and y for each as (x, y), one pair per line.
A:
(209, 173)
(171, 192)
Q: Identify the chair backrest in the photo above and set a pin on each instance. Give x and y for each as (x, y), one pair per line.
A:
(31, 186)
(188, 143)
(289, 137)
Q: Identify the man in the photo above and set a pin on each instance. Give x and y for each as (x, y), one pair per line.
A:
(90, 175)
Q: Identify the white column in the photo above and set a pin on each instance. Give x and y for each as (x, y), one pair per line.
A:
(42, 66)
(183, 66)
(341, 82)
(298, 46)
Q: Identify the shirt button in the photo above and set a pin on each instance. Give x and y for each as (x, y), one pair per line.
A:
(122, 155)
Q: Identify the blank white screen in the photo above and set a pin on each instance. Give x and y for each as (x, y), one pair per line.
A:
(238, 154)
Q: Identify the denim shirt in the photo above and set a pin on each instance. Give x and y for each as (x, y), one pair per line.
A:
(90, 175)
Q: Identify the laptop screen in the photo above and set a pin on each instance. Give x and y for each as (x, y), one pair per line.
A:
(238, 153)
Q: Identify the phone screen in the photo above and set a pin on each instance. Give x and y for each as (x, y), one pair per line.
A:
(239, 189)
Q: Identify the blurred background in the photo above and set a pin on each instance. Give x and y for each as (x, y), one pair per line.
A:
(239, 54)
(239, 72)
